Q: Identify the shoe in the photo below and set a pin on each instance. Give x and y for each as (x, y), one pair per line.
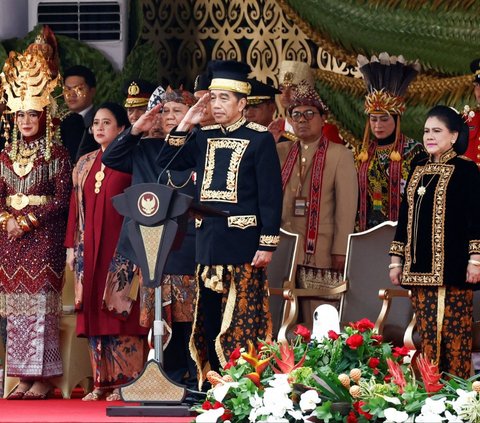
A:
(95, 395)
(29, 395)
(38, 391)
(114, 396)
(17, 394)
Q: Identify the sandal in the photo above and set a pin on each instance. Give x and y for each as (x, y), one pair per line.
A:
(114, 396)
(18, 393)
(95, 395)
(39, 391)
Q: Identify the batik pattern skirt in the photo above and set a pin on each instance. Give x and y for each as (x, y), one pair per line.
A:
(116, 360)
(245, 314)
(452, 347)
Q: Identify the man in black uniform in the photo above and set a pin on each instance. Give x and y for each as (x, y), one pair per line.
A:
(78, 90)
(238, 171)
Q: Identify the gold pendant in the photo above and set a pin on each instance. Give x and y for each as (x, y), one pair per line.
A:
(19, 201)
(22, 170)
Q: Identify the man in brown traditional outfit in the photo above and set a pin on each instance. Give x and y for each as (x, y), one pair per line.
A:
(319, 188)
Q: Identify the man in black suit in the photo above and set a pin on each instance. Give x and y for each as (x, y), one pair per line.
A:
(79, 90)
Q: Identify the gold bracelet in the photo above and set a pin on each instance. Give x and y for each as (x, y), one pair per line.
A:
(474, 262)
(33, 220)
(4, 218)
(394, 265)
(22, 221)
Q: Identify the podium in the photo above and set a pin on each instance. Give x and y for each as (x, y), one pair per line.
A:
(158, 218)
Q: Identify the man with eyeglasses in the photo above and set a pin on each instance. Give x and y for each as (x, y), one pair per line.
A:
(78, 91)
(319, 189)
(291, 74)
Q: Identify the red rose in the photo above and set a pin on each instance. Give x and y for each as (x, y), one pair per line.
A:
(373, 362)
(354, 341)
(207, 405)
(358, 408)
(352, 418)
(235, 355)
(227, 415)
(217, 405)
(362, 325)
(303, 332)
(400, 352)
(228, 365)
(333, 335)
(377, 338)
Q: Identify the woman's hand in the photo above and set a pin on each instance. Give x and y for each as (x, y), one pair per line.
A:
(146, 121)
(70, 258)
(13, 229)
(396, 275)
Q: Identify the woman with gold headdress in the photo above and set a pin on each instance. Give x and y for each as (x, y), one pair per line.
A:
(384, 161)
(34, 192)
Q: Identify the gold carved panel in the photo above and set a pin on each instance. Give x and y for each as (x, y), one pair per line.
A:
(189, 33)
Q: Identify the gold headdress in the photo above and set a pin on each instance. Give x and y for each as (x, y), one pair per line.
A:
(387, 79)
(28, 81)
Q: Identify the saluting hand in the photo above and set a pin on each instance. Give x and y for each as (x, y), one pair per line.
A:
(146, 121)
(195, 114)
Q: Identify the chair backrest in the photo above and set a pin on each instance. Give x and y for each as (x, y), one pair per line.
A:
(281, 274)
(366, 271)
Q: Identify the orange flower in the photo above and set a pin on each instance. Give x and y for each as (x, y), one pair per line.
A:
(252, 358)
(430, 374)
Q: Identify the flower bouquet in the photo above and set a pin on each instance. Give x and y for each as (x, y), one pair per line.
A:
(306, 379)
(348, 377)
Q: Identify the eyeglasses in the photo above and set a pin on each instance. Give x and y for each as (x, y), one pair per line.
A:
(307, 115)
(78, 90)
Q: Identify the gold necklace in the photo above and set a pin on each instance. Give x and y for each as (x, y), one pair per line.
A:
(24, 157)
(421, 191)
(99, 177)
(170, 181)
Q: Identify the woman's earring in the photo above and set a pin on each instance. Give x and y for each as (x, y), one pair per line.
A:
(453, 141)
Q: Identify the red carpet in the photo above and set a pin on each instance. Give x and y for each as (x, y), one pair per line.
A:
(71, 411)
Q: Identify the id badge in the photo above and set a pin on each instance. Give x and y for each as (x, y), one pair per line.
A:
(300, 205)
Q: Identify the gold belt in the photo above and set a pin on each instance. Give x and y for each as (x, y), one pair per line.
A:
(20, 201)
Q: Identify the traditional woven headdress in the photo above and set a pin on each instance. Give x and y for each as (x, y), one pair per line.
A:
(178, 96)
(306, 95)
(387, 79)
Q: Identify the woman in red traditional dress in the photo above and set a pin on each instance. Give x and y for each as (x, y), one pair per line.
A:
(107, 314)
(34, 192)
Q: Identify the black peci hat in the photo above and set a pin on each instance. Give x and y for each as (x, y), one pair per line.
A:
(230, 75)
(261, 92)
(202, 81)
